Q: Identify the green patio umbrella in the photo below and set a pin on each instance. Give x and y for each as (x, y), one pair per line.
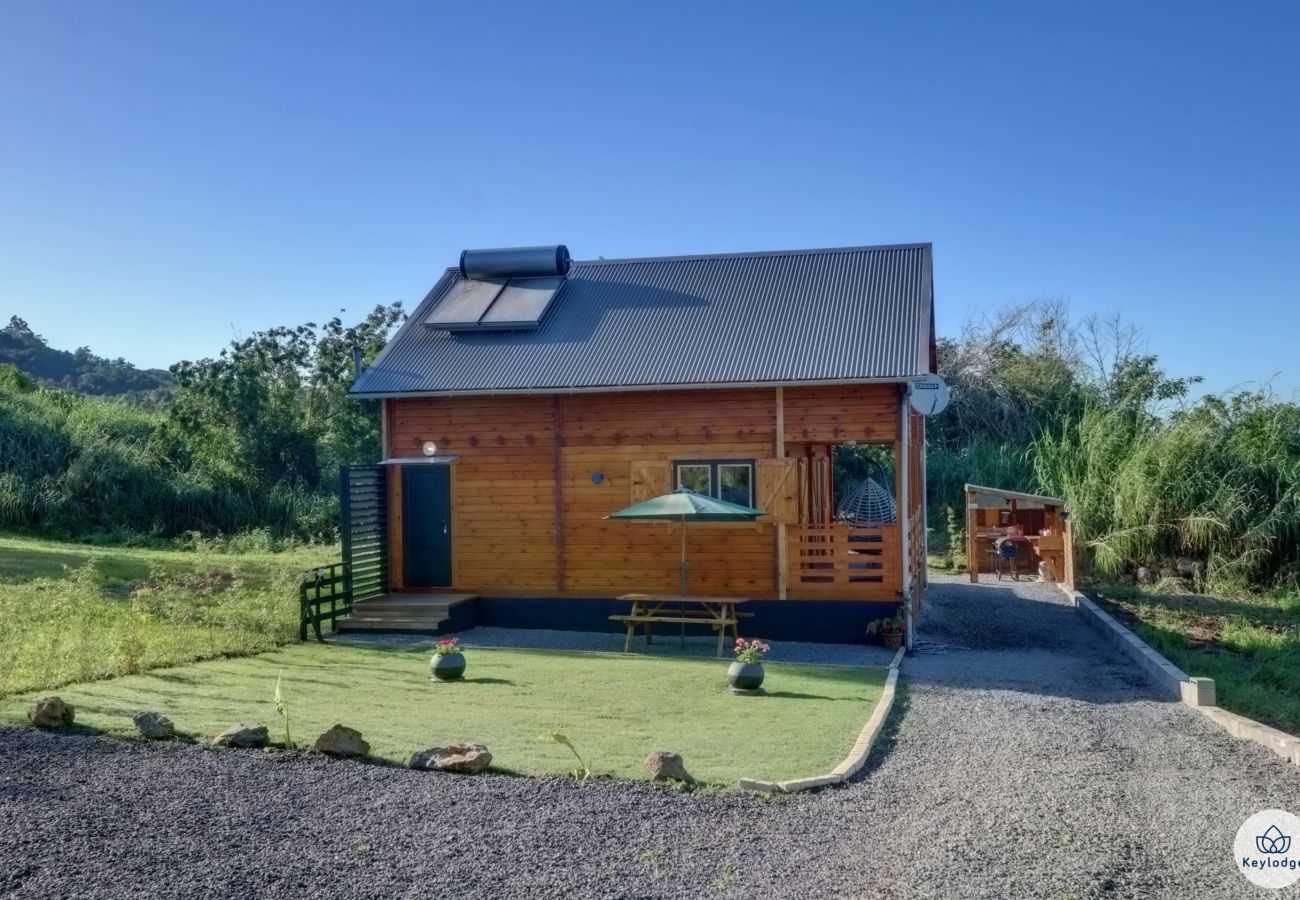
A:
(685, 505)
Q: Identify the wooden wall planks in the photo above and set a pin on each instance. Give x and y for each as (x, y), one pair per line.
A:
(528, 515)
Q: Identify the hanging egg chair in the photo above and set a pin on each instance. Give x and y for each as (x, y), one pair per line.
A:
(867, 506)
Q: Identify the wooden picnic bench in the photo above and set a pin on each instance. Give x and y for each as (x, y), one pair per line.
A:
(720, 613)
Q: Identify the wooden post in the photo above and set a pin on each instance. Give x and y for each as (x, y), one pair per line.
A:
(782, 541)
(972, 522)
(557, 421)
(396, 578)
(925, 508)
(905, 506)
(900, 496)
(1068, 533)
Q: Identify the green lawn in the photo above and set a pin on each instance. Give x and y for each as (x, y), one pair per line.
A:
(1249, 645)
(73, 612)
(615, 708)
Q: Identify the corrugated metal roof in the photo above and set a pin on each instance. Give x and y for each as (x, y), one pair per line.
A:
(848, 314)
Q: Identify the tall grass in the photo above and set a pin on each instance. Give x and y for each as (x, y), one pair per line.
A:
(1219, 482)
(70, 615)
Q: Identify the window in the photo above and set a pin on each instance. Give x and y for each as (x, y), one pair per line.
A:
(730, 480)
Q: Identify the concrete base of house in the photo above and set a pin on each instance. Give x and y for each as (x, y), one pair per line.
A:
(1197, 693)
(812, 621)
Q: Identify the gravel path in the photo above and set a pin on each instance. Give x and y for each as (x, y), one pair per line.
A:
(1034, 764)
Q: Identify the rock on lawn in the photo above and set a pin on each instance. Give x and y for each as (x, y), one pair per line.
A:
(466, 759)
(242, 735)
(51, 712)
(154, 726)
(341, 741)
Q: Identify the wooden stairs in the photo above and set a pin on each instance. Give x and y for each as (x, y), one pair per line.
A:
(402, 612)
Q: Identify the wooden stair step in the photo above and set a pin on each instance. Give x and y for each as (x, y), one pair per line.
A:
(395, 617)
(402, 612)
(409, 608)
(389, 624)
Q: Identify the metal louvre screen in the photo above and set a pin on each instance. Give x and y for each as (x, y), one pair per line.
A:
(363, 503)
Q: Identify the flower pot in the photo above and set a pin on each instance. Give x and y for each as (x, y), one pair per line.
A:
(448, 666)
(745, 676)
(892, 641)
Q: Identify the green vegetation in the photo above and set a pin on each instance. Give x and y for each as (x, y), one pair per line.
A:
(72, 613)
(1250, 646)
(79, 370)
(1079, 411)
(1219, 481)
(617, 708)
(251, 439)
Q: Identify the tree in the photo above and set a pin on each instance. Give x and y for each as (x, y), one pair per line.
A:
(272, 409)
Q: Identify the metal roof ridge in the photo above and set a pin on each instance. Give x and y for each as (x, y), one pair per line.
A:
(757, 254)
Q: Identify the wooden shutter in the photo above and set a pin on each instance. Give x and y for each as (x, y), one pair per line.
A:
(650, 479)
(778, 489)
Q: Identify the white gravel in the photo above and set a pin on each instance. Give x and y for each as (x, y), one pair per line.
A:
(1036, 764)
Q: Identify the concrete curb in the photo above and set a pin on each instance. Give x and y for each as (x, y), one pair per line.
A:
(1198, 693)
(1166, 675)
(857, 757)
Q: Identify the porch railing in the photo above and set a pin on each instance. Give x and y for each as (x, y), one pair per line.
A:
(844, 562)
(326, 586)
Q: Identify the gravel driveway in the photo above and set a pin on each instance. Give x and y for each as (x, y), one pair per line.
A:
(1032, 763)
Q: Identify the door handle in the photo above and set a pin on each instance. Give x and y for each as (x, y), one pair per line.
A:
(444, 526)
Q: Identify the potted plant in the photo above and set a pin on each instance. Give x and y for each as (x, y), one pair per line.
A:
(448, 661)
(746, 672)
(890, 630)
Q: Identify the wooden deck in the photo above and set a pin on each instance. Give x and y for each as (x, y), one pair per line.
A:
(403, 612)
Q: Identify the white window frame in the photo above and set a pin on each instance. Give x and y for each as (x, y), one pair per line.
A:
(714, 468)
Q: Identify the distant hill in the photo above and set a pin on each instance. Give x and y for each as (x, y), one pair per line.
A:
(79, 370)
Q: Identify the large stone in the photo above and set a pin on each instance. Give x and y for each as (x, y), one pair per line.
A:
(51, 712)
(154, 726)
(341, 741)
(1145, 575)
(1189, 568)
(664, 766)
(242, 735)
(466, 759)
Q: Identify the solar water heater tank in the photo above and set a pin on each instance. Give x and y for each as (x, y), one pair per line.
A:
(515, 262)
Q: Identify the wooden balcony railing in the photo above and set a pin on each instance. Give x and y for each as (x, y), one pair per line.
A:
(842, 562)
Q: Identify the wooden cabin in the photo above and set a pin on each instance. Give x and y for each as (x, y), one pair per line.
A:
(528, 397)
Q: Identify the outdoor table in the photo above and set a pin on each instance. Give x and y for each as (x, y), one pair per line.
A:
(718, 612)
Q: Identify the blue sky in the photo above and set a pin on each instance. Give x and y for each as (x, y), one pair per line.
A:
(172, 175)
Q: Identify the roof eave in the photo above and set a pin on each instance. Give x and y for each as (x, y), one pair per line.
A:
(631, 388)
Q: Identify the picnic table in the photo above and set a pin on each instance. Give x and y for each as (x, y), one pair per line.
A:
(647, 609)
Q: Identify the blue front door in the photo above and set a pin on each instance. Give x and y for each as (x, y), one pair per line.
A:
(426, 526)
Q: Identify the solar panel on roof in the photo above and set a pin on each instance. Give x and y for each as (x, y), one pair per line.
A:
(522, 304)
(464, 304)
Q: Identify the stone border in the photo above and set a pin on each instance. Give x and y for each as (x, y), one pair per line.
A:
(1166, 675)
(857, 757)
(1198, 693)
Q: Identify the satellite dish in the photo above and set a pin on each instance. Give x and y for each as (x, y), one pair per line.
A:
(928, 395)
(430, 448)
